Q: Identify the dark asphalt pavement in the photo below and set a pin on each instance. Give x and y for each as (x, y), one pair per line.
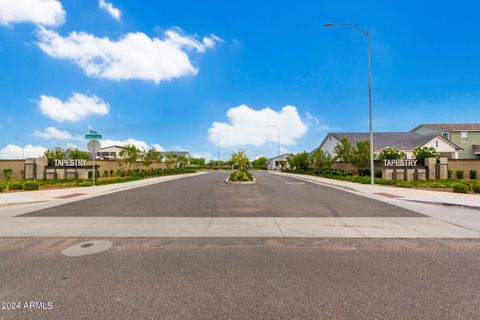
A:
(209, 196)
(244, 279)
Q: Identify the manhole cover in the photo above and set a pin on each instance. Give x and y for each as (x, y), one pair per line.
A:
(86, 248)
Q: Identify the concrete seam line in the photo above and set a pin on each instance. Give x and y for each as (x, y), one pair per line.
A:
(354, 228)
(412, 229)
(280, 229)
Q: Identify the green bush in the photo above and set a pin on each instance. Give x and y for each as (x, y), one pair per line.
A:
(460, 188)
(7, 173)
(476, 187)
(473, 174)
(30, 185)
(111, 173)
(460, 174)
(450, 172)
(378, 174)
(2, 187)
(15, 186)
(105, 173)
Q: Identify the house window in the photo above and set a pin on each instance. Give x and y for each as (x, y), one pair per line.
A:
(436, 143)
(446, 135)
(464, 137)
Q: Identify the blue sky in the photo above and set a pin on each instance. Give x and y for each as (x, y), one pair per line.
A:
(223, 65)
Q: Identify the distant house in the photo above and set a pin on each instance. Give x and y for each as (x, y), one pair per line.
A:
(177, 154)
(278, 163)
(466, 135)
(110, 152)
(405, 141)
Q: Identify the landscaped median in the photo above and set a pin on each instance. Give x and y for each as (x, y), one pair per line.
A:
(453, 185)
(27, 185)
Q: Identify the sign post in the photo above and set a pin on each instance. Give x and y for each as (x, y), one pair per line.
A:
(93, 146)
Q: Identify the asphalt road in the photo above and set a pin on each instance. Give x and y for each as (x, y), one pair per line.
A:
(209, 196)
(244, 279)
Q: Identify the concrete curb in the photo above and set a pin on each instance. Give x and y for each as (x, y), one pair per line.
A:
(337, 186)
(240, 182)
(446, 204)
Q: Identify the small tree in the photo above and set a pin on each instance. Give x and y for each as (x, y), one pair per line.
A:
(57, 153)
(171, 158)
(321, 160)
(75, 153)
(197, 161)
(182, 161)
(260, 161)
(239, 158)
(150, 156)
(130, 154)
(421, 153)
(344, 151)
(361, 155)
(391, 153)
(300, 160)
(7, 173)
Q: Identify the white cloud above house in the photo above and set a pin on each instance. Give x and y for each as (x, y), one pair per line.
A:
(77, 107)
(110, 9)
(133, 56)
(12, 151)
(42, 12)
(54, 133)
(142, 145)
(247, 126)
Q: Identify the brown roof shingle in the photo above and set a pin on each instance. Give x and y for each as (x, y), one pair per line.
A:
(452, 126)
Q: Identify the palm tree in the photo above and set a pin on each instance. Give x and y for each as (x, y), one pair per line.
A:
(130, 154)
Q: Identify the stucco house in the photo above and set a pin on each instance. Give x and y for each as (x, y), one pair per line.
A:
(465, 135)
(279, 162)
(405, 141)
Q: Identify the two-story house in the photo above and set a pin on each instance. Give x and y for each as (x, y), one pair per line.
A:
(465, 135)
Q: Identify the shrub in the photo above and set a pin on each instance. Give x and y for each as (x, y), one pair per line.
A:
(450, 172)
(378, 174)
(105, 173)
(15, 186)
(111, 173)
(476, 187)
(460, 188)
(460, 174)
(391, 153)
(473, 174)
(2, 187)
(29, 185)
(421, 153)
(7, 173)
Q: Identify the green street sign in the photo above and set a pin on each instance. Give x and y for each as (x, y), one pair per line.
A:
(93, 135)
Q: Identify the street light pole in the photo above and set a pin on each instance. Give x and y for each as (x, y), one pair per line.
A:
(278, 141)
(372, 167)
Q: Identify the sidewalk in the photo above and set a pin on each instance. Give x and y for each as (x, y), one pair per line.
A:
(78, 193)
(390, 192)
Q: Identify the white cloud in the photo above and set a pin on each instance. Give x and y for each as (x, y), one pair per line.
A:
(315, 124)
(110, 9)
(138, 143)
(44, 12)
(54, 133)
(77, 107)
(247, 126)
(133, 56)
(12, 151)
